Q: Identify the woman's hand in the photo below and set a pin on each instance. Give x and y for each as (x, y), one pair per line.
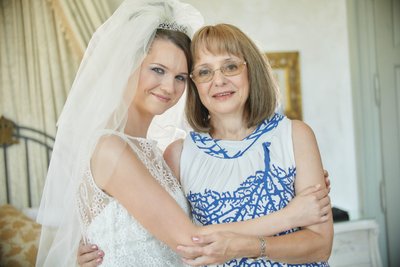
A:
(310, 206)
(218, 247)
(89, 255)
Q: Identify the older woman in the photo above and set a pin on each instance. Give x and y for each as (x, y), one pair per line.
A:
(244, 160)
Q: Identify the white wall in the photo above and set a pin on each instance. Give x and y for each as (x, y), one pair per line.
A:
(318, 30)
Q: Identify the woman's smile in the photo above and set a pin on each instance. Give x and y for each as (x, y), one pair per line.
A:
(225, 95)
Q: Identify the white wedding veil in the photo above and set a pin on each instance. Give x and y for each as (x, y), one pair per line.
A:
(99, 100)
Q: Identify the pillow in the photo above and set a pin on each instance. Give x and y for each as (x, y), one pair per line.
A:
(19, 238)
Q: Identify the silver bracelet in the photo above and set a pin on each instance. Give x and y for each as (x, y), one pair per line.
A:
(263, 246)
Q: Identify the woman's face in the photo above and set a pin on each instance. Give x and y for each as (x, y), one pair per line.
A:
(162, 80)
(222, 95)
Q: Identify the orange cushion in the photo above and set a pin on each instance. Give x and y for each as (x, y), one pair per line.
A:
(19, 238)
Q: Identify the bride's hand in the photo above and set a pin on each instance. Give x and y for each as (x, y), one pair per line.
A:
(310, 206)
(327, 181)
(89, 255)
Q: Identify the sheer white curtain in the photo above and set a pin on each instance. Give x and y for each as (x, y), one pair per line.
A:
(41, 45)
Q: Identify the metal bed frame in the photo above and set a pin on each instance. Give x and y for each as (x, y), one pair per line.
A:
(12, 134)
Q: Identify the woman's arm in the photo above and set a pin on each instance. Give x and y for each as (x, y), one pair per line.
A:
(312, 243)
(222, 246)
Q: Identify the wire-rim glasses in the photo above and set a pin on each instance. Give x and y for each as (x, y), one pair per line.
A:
(205, 74)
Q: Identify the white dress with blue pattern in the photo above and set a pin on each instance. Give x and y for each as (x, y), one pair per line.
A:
(228, 181)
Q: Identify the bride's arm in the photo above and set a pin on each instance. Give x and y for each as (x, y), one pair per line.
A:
(119, 172)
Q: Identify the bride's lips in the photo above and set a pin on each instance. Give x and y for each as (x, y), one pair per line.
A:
(161, 97)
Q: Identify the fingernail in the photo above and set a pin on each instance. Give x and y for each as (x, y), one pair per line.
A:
(100, 253)
(99, 259)
(94, 247)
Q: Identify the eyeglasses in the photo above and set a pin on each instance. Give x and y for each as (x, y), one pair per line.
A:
(205, 74)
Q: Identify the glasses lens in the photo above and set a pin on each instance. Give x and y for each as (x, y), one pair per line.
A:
(202, 74)
(205, 74)
(232, 68)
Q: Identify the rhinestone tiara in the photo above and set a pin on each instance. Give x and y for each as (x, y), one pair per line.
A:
(172, 26)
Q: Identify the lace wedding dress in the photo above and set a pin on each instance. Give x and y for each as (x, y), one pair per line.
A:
(109, 225)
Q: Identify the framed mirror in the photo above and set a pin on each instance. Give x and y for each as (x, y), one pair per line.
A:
(285, 67)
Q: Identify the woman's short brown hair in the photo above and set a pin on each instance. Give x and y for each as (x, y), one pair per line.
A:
(226, 38)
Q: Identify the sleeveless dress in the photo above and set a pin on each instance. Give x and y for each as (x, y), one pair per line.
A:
(108, 224)
(228, 181)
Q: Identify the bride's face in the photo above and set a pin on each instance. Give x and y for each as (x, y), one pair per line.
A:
(162, 80)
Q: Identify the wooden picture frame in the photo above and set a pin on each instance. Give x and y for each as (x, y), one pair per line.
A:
(285, 67)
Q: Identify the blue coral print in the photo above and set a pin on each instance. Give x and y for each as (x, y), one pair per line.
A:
(212, 146)
(261, 193)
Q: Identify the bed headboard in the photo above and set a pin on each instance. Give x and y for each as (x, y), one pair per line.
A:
(25, 154)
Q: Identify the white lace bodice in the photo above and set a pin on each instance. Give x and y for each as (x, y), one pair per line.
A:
(109, 225)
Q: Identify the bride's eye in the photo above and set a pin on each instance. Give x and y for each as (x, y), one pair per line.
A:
(158, 70)
(181, 78)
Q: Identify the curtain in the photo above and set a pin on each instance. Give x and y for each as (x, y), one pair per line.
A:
(80, 19)
(41, 45)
